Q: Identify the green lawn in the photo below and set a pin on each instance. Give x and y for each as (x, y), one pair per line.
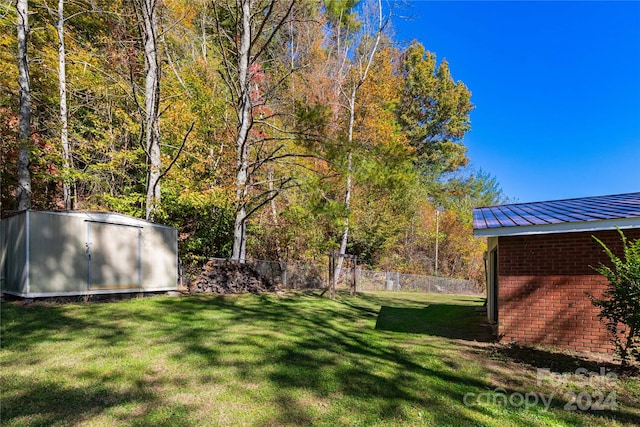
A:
(293, 359)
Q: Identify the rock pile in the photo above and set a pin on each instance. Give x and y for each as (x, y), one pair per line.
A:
(230, 277)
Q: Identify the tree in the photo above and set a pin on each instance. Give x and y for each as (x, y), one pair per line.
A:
(385, 179)
(301, 117)
(434, 112)
(106, 165)
(147, 10)
(294, 227)
(64, 120)
(349, 86)
(245, 31)
(24, 136)
(620, 303)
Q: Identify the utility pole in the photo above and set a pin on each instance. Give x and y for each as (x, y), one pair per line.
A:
(439, 210)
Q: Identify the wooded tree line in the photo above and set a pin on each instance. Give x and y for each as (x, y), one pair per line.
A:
(272, 129)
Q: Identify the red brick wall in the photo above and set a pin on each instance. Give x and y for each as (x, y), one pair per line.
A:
(542, 280)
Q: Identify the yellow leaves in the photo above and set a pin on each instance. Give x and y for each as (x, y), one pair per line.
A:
(390, 218)
(376, 123)
(198, 199)
(184, 11)
(8, 52)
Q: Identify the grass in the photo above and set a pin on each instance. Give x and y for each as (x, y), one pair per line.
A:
(293, 359)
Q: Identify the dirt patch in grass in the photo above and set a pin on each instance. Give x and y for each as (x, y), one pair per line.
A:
(562, 361)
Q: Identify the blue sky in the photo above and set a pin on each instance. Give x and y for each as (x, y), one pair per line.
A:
(556, 86)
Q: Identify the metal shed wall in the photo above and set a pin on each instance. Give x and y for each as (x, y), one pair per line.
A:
(79, 253)
(160, 257)
(57, 256)
(14, 253)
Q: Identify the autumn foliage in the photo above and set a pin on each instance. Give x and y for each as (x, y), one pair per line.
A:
(405, 154)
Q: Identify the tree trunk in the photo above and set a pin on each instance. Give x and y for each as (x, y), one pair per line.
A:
(24, 136)
(245, 122)
(347, 197)
(152, 104)
(239, 50)
(64, 132)
(203, 28)
(352, 114)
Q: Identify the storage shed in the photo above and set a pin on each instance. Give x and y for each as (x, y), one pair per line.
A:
(539, 266)
(47, 254)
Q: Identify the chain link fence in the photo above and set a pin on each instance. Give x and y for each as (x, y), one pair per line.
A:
(393, 281)
(293, 275)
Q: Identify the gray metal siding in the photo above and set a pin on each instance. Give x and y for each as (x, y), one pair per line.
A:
(115, 256)
(15, 254)
(57, 253)
(127, 254)
(159, 257)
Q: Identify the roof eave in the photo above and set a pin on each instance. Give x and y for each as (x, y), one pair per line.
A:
(563, 227)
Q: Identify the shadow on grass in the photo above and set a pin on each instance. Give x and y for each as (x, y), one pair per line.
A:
(443, 320)
(28, 325)
(298, 351)
(59, 396)
(46, 403)
(332, 351)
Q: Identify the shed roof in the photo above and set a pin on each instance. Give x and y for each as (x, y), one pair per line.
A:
(95, 216)
(580, 214)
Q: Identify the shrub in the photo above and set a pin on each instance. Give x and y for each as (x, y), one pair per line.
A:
(620, 302)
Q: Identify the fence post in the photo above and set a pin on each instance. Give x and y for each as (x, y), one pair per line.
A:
(331, 275)
(284, 275)
(355, 266)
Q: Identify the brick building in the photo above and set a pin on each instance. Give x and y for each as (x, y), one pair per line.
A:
(539, 266)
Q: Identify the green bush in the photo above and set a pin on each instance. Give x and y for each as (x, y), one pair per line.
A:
(620, 302)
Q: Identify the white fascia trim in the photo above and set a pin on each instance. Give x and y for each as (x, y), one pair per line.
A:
(562, 227)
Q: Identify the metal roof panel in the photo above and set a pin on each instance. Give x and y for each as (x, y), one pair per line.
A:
(578, 210)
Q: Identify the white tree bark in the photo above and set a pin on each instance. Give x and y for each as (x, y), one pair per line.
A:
(148, 9)
(203, 28)
(24, 136)
(351, 99)
(245, 122)
(240, 48)
(64, 131)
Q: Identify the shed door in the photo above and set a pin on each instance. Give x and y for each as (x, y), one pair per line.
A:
(113, 255)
